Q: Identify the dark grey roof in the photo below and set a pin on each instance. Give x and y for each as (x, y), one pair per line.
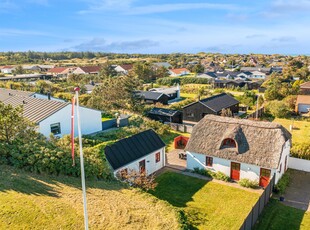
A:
(163, 112)
(149, 95)
(219, 102)
(130, 149)
(257, 143)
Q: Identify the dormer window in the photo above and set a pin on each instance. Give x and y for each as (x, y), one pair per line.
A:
(229, 143)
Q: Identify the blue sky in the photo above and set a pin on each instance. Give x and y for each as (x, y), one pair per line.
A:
(162, 26)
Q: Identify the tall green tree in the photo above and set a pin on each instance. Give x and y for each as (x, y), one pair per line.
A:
(13, 124)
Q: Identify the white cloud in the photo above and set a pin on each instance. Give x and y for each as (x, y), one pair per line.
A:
(127, 7)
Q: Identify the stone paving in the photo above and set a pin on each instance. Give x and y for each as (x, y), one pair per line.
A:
(297, 194)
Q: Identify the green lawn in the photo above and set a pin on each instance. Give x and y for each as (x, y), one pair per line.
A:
(278, 216)
(207, 205)
(31, 201)
(188, 95)
(301, 131)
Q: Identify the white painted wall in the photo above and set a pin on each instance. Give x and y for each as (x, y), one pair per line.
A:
(120, 69)
(299, 164)
(90, 121)
(285, 152)
(150, 163)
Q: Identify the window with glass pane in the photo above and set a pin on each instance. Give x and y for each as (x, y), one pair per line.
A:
(55, 128)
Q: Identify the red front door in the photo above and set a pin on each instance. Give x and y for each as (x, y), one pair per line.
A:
(235, 171)
(264, 177)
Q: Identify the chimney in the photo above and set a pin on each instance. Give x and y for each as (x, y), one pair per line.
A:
(49, 96)
(24, 102)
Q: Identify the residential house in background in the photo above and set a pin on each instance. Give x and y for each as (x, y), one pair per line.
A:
(172, 92)
(165, 115)
(87, 70)
(123, 69)
(258, 75)
(152, 97)
(7, 69)
(31, 68)
(51, 115)
(239, 148)
(302, 104)
(266, 70)
(143, 153)
(305, 88)
(195, 111)
(157, 65)
(178, 72)
(61, 71)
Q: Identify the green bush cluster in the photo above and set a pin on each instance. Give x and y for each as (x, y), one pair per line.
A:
(216, 175)
(282, 184)
(248, 183)
(301, 150)
(53, 157)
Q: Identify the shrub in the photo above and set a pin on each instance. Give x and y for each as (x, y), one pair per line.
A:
(301, 150)
(248, 183)
(278, 109)
(282, 184)
(221, 176)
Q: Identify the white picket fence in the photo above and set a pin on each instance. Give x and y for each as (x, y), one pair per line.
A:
(299, 164)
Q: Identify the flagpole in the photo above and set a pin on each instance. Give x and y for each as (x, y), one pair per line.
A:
(81, 158)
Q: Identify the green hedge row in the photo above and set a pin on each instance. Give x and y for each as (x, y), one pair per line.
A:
(181, 80)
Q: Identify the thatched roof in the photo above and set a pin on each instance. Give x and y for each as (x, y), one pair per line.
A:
(257, 143)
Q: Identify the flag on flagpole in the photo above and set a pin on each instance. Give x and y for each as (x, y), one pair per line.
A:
(72, 131)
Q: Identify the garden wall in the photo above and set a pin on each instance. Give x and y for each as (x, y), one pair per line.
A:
(299, 164)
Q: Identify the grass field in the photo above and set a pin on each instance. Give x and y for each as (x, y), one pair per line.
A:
(278, 216)
(31, 201)
(207, 205)
(301, 131)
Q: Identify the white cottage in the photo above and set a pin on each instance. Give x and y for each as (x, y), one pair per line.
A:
(52, 116)
(143, 152)
(239, 148)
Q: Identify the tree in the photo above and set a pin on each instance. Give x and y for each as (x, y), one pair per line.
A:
(198, 68)
(278, 109)
(143, 71)
(226, 113)
(19, 70)
(107, 70)
(13, 124)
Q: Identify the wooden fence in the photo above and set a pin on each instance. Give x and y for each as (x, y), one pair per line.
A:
(181, 127)
(259, 113)
(257, 209)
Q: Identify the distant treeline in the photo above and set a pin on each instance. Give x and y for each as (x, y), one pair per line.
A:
(7, 58)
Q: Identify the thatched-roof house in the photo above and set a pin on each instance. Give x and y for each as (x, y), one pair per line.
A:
(239, 148)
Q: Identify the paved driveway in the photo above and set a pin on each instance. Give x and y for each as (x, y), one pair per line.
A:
(297, 195)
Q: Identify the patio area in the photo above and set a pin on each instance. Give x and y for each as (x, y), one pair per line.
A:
(174, 161)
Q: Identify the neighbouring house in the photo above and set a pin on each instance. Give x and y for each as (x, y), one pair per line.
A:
(208, 75)
(239, 148)
(143, 152)
(7, 69)
(236, 83)
(123, 69)
(178, 72)
(61, 71)
(258, 75)
(165, 115)
(90, 87)
(87, 70)
(26, 77)
(302, 104)
(31, 68)
(152, 97)
(266, 70)
(172, 93)
(305, 88)
(157, 65)
(211, 105)
(51, 116)
(45, 68)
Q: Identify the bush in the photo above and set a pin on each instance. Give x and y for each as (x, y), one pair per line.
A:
(282, 184)
(221, 176)
(181, 80)
(301, 150)
(248, 183)
(278, 109)
(216, 175)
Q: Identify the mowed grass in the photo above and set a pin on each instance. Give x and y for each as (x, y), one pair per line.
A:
(300, 132)
(207, 205)
(31, 201)
(278, 216)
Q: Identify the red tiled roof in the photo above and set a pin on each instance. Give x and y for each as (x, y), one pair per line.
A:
(91, 69)
(7, 67)
(127, 66)
(305, 85)
(303, 99)
(179, 71)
